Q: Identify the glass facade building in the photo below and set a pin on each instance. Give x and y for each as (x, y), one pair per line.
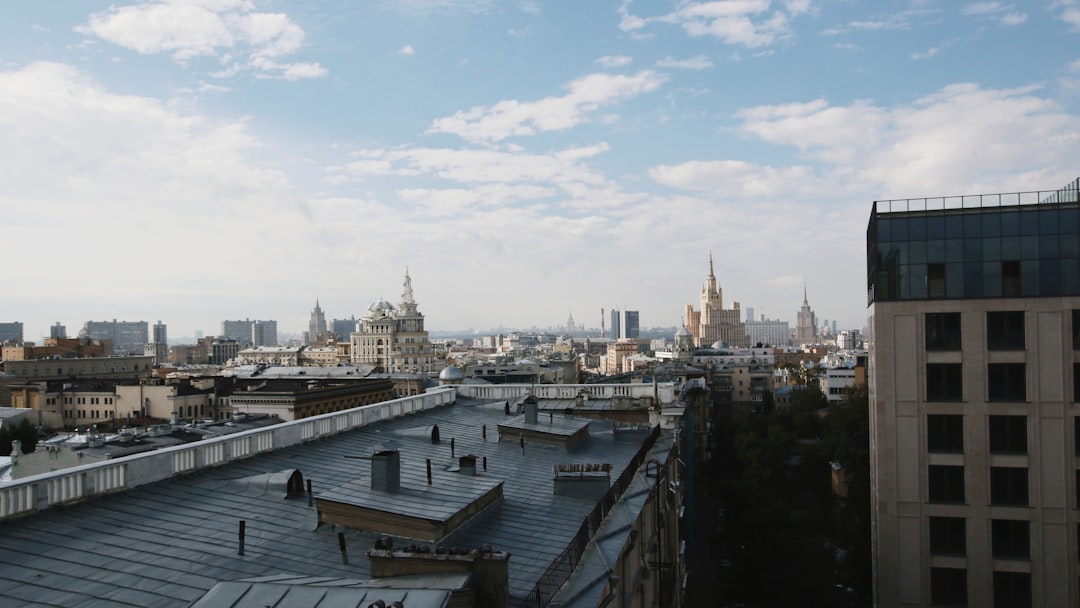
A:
(987, 246)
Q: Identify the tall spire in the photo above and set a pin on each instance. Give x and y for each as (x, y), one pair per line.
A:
(805, 303)
(711, 275)
(407, 294)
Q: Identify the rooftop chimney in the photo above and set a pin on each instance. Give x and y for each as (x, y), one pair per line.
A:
(531, 409)
(467, 465)
(386, 471)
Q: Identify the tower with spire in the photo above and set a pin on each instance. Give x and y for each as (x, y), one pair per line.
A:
(712, 322)
(317, 324)
(393, 339)
(805, 323)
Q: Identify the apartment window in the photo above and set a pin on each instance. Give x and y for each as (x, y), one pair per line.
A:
(944, 433)
(1009, 486)
(1012, 590)
(943, 331)
(944, 382)
(1007, 381)
(1008, 434)
(1005, 330)
(1076, 329)
(946, 484)
(1010, 539)
(948, 587)
(948, 536)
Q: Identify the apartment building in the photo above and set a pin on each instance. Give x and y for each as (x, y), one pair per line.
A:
(974, 317)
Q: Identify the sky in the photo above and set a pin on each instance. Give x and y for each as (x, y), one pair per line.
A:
(192, 161)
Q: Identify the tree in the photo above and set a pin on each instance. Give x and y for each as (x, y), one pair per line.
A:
(847, 442)
(23, 431)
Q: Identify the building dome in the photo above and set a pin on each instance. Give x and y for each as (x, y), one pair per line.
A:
(683, 333)
(381, 307)
(451, 374)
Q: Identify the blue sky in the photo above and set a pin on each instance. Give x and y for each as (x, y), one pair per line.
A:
(192, 161)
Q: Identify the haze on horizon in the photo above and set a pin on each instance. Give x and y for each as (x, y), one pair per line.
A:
(200, 160)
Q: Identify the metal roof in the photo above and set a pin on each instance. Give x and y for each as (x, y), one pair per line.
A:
(168, 543)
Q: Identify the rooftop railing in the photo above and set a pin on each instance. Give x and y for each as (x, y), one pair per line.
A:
(665, 390)
(1070, 193)
(32, 494)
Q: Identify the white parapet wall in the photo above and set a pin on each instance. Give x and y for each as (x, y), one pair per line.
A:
(32, 494)
(663, 391)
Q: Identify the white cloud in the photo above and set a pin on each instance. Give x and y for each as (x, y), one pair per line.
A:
(427, 7)
(983, 8)
(406, 50)
(746, 23)
(700, 62)
(511, 118)
(733, 178)
(206, 28)
(614, 61)
(1004, 14)
(927, 54)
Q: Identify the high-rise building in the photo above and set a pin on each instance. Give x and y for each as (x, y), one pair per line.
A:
(11, 332)
(393, 339)
(616, 324)
(631, 325)
(317, 324)
(974, 377)
(58, 331)
(749, 314)
(158, 347)
(805, 323)
(128, 337)
(343, 328)
(238, 330)
(712, 322)
(264, 333)
(771, 332)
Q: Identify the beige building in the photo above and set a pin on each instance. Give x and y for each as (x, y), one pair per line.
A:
(713, 323)
(393, 339)
(974, 317)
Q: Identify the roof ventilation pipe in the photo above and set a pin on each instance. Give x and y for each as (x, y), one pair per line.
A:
(531, 410)
(386, 471)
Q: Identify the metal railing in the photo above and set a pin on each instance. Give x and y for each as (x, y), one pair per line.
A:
(563, 566)
(32, 494)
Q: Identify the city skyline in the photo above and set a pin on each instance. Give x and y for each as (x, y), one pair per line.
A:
(200, 160)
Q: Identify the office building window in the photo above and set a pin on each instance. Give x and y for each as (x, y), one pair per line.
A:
(1012, 590)
(945, 433)
(935, 280)
(1005, 330)
(1009, 486)
(1010, 278)
(948, 587)
(946, 484)
(943, 331)
(944, 382)
(1010, 539)
(1008, 434)
(948, 536)
(1007, 381)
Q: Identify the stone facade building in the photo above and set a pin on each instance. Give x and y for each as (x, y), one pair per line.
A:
(393, 339)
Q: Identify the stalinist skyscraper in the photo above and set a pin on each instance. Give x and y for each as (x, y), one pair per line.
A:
(805, 323)
(712, 323)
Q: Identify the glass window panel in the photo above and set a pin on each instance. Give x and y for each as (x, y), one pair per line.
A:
(972, 226)
(1048, 246)
(1029, 221)
(973, 250)
(954, 250)
(1050, 277)
(1049, 221)
(900, 252)
(899, 229)
(884, 232)
(1069, 246)
(991, 248)
(991, 285)
(1029, 247)
(1069, 221)
(1010, 223)
(917, 252)
(954, 227)
(973, 280)
(954, 280)
(1070, 276)
(1010, 248)
(1029, 277)
(935, 227)
(991, 224)
(916, 228)
(916, 276)
(935, 251)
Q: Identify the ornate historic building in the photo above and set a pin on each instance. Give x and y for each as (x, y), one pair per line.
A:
(805, 323)
(712, 323)
(393, 339)
(317, 324)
